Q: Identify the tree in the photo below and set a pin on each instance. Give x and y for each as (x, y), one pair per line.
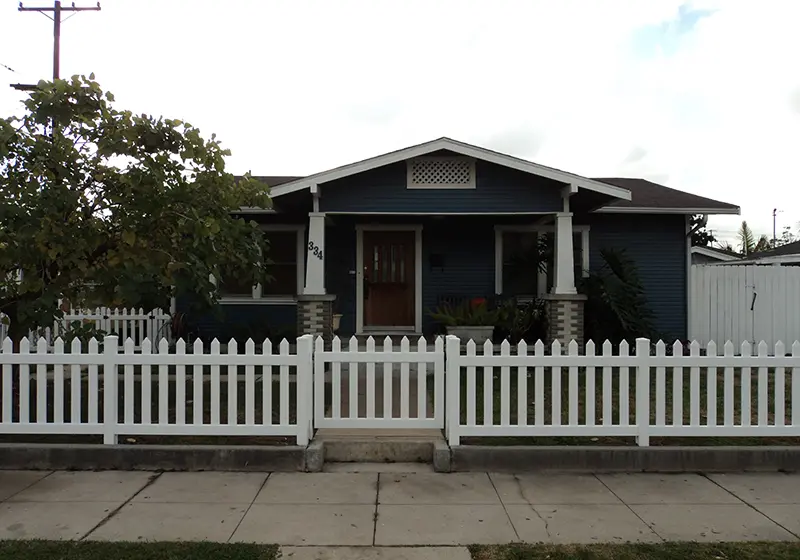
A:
(96, 196)
(764, 243)
(701, 237)
(747, 241)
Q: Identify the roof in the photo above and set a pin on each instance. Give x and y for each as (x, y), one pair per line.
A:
(715, 253)
(648, 195)
(783, 250)
(460, 148)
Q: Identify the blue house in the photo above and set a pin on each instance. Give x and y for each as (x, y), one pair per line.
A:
(378, 243)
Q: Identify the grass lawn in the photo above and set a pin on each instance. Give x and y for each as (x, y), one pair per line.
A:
(663, 551)
(54, 550)
(619, 408)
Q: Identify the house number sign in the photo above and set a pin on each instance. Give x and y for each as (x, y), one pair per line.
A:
(313, 248)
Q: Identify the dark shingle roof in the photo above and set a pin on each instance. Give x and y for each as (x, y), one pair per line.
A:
(275, 180)
(788, 249)
(725, 252)
(646, 194)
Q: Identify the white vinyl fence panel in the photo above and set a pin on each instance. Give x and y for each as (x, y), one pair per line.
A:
(389, 387)
(737, 303)
(194, 391)
(618, 393)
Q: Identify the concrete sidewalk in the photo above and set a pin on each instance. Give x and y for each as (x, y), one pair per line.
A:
(396, 509)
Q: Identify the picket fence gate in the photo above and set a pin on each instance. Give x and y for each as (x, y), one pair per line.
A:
(532, 391)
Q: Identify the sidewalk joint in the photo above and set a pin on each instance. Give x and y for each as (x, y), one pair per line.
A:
(116, 510)
(646, 524)
(255, 497)
(508, 516)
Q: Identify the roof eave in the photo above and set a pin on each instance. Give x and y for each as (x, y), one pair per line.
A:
(459, 148)
(661, 210)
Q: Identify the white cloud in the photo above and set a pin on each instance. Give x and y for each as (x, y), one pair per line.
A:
(708, 104)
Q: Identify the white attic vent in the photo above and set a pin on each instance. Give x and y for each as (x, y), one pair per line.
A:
(441, 173)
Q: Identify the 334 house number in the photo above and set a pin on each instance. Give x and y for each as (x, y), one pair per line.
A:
(315, 250)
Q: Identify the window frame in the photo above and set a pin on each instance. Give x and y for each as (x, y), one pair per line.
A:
(256, 297)
(538, 229)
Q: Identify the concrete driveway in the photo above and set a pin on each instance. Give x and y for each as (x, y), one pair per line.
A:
(396, 508)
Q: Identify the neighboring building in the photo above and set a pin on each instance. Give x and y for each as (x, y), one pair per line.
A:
(713, 255)
(788, 254)
(382, 241)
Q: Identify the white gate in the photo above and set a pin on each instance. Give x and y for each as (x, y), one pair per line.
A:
(362, 387)
(738, 303)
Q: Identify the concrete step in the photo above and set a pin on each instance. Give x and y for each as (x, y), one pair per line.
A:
(379, 446)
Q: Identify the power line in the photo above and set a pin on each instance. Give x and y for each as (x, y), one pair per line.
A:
(57, 10)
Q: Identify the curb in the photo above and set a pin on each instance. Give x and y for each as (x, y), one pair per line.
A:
(152, 457)
(624, 459)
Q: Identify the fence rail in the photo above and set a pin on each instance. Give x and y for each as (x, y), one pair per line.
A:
(643, 391)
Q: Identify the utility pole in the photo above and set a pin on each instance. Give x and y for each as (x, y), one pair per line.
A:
(57, 10)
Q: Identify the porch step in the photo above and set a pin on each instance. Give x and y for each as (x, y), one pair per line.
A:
(342, 445)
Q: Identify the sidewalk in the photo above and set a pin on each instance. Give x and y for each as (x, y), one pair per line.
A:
(397, 509)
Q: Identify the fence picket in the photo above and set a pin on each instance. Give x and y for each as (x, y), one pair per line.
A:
(522, 387)
(608, 388)
(472, 402)
(163, 386)
(488, 386)
(24, 384)
(266, 385)
(422, 381)
(197, 386)
(661, 386)
(728, 382)
(694, 387)
(505, 386)
(336, 383)
(250, 385)
(574, 391)
(763, 380)
(93, 384)
(555, 413)
(8, 403)
(128, 384)
(58, 384)
(404, 379)
(352, 379)
(796, 386)
(624, 387)
(371, 380)
(147, 396)
(711, 387)
(387, 381)
(591, 393)
(746, 391)
(677, 386)
(232, 371)
(538, 385)
(283, 348)
(41, 384)
(780, 388)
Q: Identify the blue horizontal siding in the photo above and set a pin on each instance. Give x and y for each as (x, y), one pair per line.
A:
(242, 321)
(657, 244)
(498, 189)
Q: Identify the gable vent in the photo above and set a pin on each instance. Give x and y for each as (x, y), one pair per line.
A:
(441, 173)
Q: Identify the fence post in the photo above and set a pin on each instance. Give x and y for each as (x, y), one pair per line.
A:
(305, 393)
(643, 391)
(452, 381)
(110, 386)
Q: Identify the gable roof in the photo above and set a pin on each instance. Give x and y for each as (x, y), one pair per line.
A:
(646, 195)
(458, 148)
(715, 253)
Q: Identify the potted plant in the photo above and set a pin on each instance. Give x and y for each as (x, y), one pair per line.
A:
(472, 320)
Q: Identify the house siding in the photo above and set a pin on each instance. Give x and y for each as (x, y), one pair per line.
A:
(657, 243)
(497, 189)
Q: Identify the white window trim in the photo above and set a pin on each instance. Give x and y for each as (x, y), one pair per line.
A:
(471, 185)
(360, 229)
(256, 298)
(498, 248)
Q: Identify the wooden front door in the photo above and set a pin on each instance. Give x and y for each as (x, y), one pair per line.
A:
(389, 278)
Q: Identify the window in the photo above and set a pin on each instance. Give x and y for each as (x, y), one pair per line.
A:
(285, 254)
(441, 173)
(525, 259)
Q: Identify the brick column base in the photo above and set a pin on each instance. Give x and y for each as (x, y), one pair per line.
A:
(565, 318)
(315, 316)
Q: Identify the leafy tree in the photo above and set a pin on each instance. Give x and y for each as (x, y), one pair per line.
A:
(128, 206)
(700, 237)
(764, 243)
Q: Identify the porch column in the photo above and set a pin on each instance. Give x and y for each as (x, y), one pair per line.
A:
(565, 305)
(314, 306)
(564, 257)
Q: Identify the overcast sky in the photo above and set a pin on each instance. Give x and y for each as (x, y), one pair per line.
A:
(702, 95)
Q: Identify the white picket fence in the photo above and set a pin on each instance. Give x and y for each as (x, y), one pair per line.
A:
(618, 394)
(738, 302)
(135, 324)
(520, 391)
(194, 391)
(412, 397)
